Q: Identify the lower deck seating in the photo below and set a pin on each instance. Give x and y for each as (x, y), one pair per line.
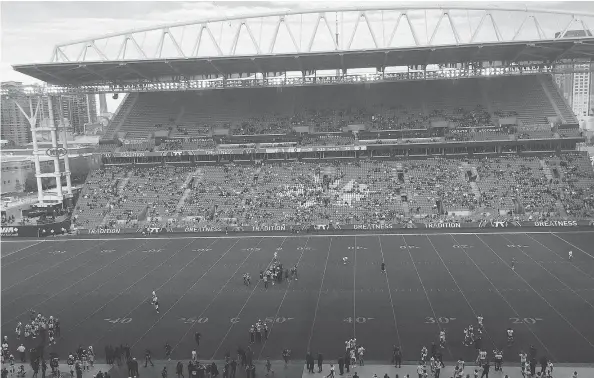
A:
(339, 192)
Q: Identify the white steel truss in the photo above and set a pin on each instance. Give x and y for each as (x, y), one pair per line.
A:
(325, 30)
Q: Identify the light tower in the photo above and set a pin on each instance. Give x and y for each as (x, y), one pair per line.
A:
(55, 152)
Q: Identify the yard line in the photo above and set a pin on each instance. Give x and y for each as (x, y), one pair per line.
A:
(75, 283)
(319, 295)
(104, 282)
(44, 248)
(18, 250)
(551, 274)
(574, 246)
(55, 278)
(218, 293)
(186, 292)
(242, 307)
(354, 291)
(390, 293)
(426, 294)
(460, 289)
(561, 257)
(159, 287)
(505, 300)
(537, 293)
(53, 266)
(300, 236)
(126, 289)
(281, 303)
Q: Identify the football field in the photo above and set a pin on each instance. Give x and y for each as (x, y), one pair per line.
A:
(100, 290)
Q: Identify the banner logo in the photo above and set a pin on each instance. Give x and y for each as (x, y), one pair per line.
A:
(56, 152)
(499, 224)
(10, 231)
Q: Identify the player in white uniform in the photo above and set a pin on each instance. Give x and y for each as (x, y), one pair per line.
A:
(155, 302)
(510, 336)
(459, 370)
(570, 255)
(18, 330)
(442, 338)
(479, 319)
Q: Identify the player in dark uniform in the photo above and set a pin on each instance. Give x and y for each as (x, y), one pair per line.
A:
(383, 267)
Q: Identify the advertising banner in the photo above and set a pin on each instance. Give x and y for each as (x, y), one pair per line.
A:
(552, 223)
(33, 231)
(10, 231)
(18, 230)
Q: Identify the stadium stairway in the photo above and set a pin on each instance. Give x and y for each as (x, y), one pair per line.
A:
(546, 170)
(549, 175)
(550, 96)
(121, 114)
(475, 189)
(485, 97)
(465, 167)
(192, 175)
(122, 184)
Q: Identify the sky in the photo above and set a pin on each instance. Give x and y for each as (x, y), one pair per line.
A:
(30, 29)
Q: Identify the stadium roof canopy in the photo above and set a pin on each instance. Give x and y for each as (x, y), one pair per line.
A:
(153, 69)
(321, 39)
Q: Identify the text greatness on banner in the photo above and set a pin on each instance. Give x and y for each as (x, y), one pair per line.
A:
(556, 223)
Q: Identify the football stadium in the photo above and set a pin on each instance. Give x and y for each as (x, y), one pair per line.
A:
(400, 191)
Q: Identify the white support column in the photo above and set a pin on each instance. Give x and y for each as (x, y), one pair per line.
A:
(88, 99)
(65, 146)
(55, 157)
(32, 119)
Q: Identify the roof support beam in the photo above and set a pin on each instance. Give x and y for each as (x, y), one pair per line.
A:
(478, 28)
(321, 16)
(123, 47)
(167, 32)
(57, 54)
(359, 16)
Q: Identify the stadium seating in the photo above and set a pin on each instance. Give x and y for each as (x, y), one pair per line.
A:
(380, 106)
(343, 192)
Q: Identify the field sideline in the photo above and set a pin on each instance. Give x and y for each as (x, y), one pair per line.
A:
(100, 289)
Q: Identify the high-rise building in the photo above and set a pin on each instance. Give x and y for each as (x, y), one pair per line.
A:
(14, 126)
(577, 87)
(77, 110)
